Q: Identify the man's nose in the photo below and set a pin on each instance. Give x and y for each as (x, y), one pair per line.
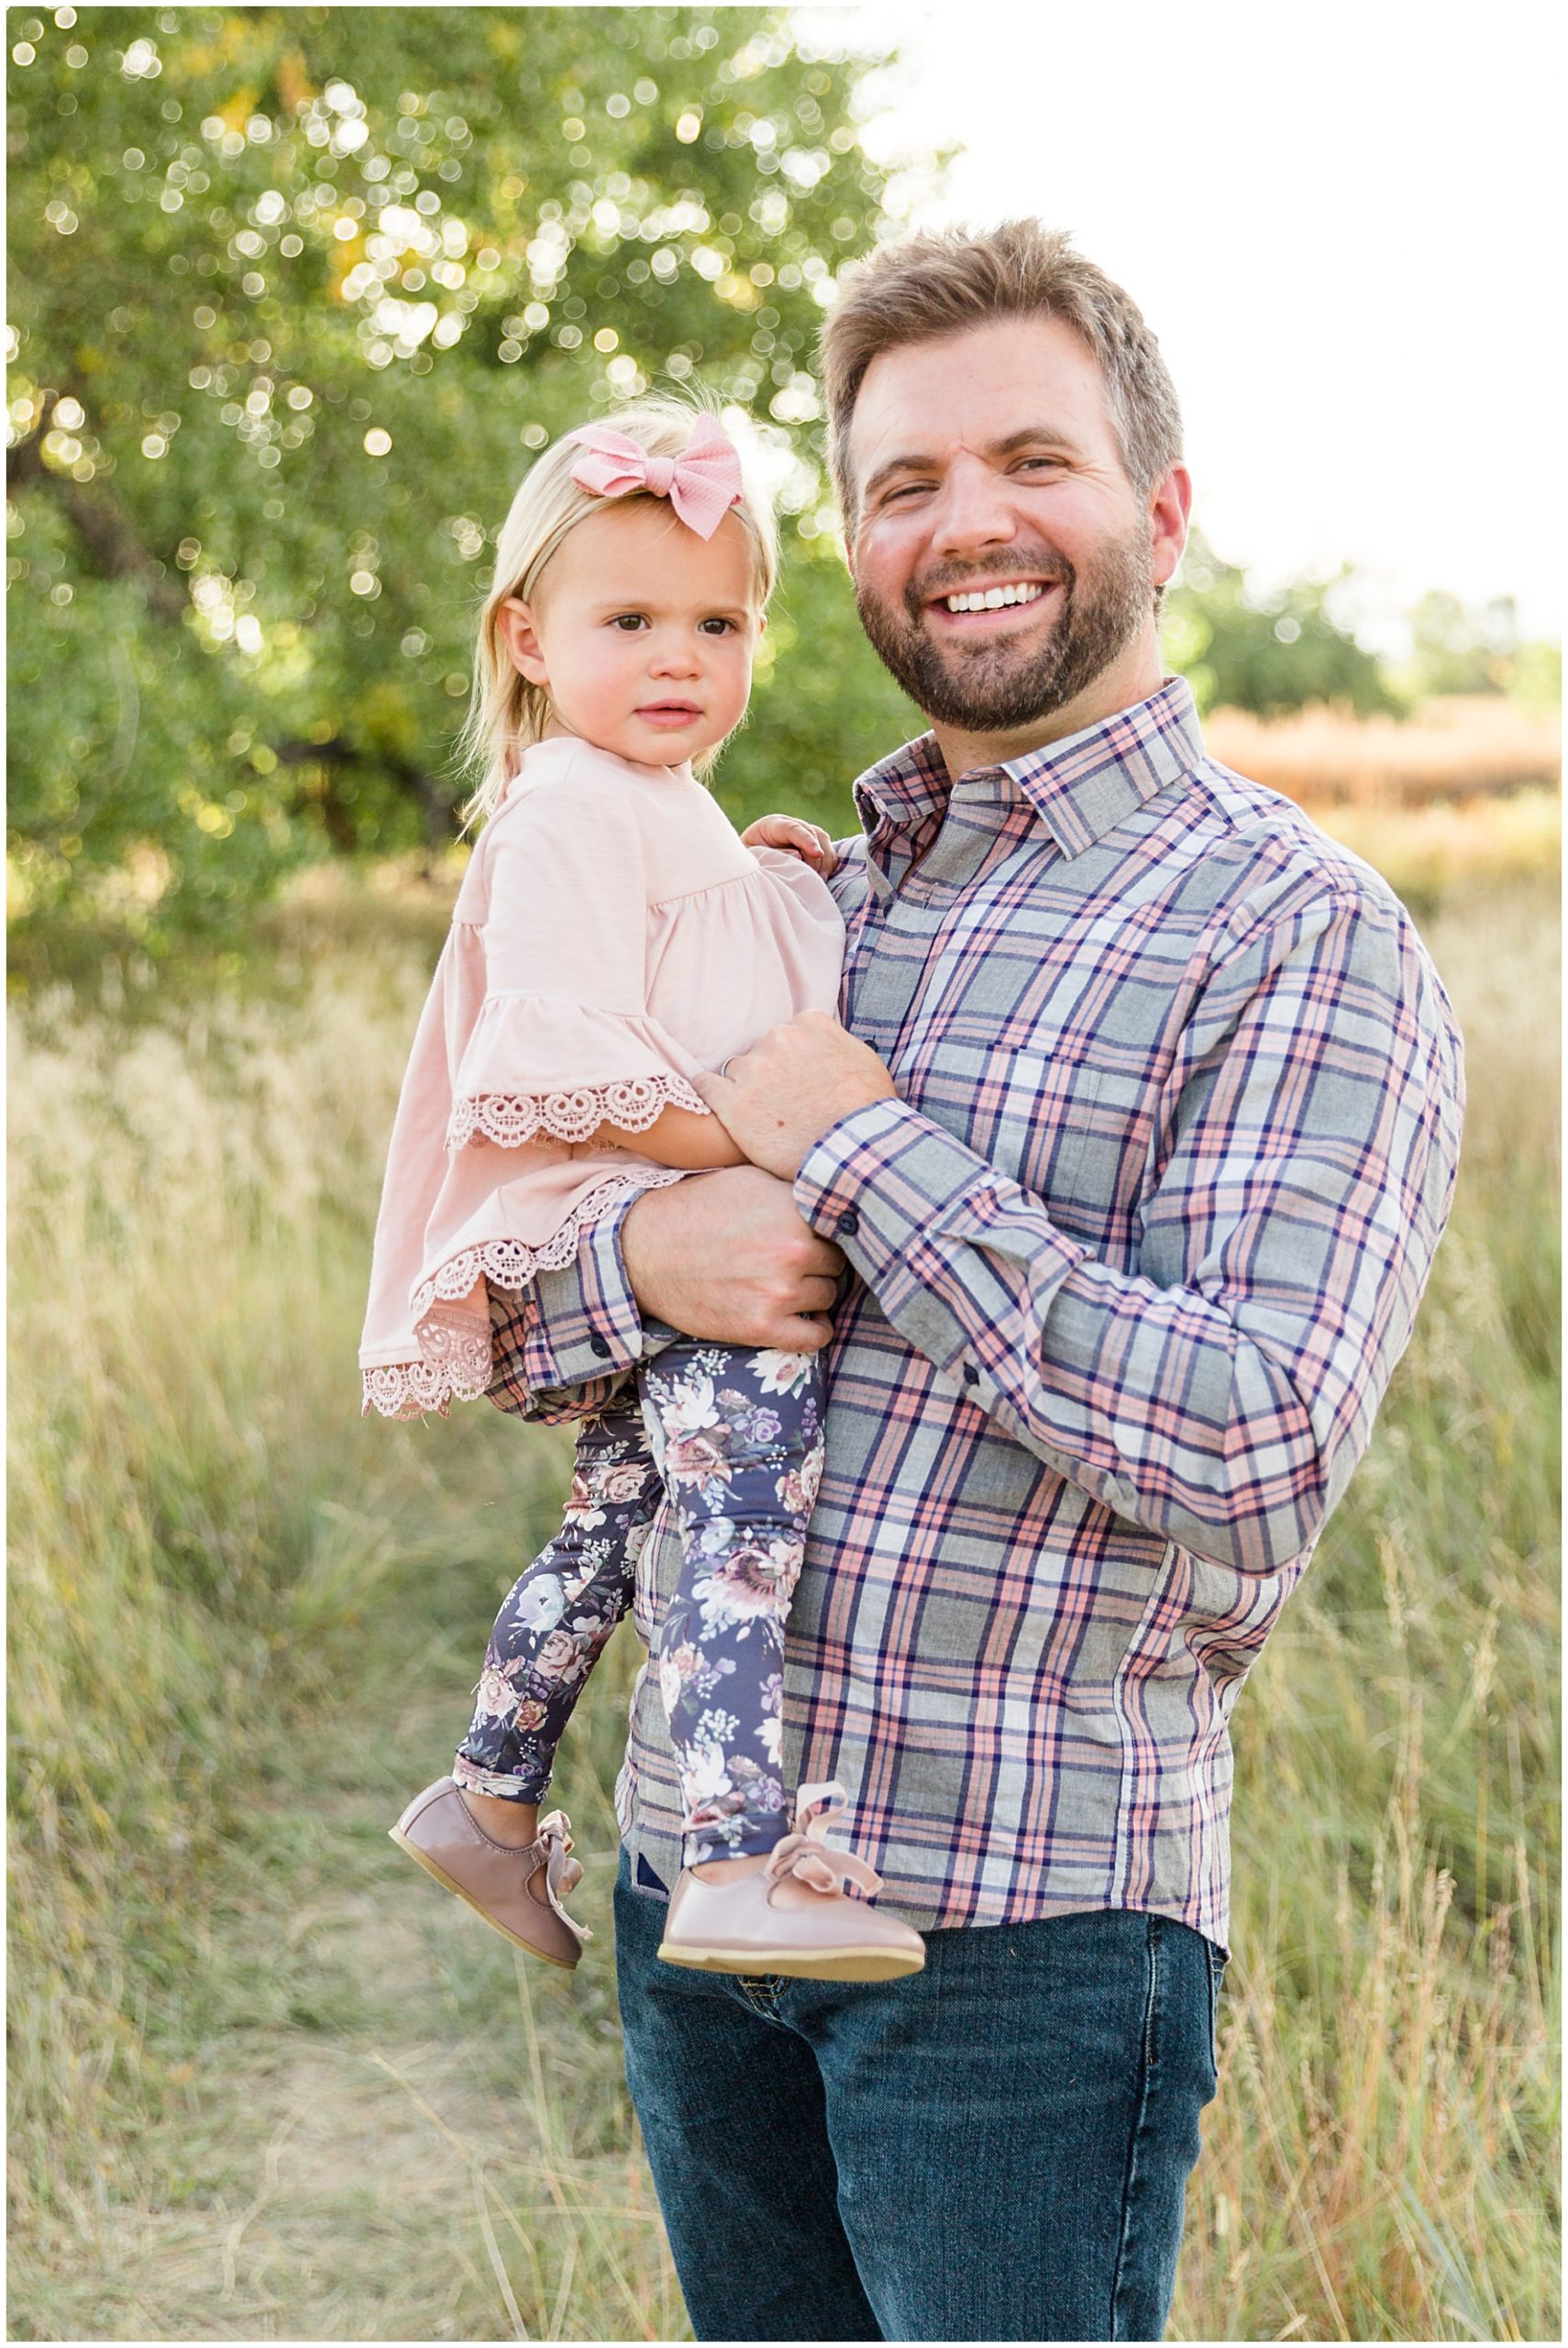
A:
(973, 510)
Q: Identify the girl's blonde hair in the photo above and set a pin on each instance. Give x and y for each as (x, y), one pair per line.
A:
(506, 712)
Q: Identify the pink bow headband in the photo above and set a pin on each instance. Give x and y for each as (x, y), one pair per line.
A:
(701, 484)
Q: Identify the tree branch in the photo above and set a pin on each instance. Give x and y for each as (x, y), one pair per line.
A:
(436, 804)
(111, 543)
(115, 551)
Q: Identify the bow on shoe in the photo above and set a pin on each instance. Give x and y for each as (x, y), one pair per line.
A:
(562, 1874)
(805, 1855)
(701, 484)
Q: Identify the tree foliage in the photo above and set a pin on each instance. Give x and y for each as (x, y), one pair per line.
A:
(1267, 654)
(1458, 647)
(294, 295)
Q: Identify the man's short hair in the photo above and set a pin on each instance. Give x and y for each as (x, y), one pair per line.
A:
(943, 281)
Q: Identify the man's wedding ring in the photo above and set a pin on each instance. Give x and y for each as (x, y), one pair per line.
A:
(725, 1068)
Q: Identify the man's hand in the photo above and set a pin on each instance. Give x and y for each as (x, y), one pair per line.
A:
(808, 841)
(727, 1257)
(782, 1095)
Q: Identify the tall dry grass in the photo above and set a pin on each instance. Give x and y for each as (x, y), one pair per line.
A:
(1462, 747)
(1382, 2160)
(193, 1510)
(239, 1618)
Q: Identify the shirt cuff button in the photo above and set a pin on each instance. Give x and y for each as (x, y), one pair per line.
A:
(971, 1374)
(849, 1222)
(599, 1345)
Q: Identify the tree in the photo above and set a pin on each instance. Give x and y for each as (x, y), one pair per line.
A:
(1266, 654)
(295, 293)
(1458, 647)
(1455, 650)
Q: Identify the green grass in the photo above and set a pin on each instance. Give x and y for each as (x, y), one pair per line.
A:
(265, 2083)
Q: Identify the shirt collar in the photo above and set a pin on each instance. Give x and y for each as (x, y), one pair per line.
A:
(1080, 789)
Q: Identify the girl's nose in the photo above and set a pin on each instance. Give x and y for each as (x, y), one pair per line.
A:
(674, 657)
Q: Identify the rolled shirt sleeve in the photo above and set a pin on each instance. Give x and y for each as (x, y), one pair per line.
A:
(564, 1345)
(1302, 1165)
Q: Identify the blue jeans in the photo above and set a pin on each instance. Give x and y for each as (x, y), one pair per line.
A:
(997, 2148)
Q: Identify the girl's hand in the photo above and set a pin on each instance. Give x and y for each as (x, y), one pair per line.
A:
(808, 841)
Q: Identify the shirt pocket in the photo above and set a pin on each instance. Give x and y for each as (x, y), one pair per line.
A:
(1072, 1131)
(1034, 1120)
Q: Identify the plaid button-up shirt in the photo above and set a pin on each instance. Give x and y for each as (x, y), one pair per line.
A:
(1136, 1249)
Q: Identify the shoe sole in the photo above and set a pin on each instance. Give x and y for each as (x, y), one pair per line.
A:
(827, 1964)
(421, 1859)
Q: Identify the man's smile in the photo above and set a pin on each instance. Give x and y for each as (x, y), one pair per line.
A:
(988, 605)
(991, 599)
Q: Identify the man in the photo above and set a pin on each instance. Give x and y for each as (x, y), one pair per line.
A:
(1138, 1137)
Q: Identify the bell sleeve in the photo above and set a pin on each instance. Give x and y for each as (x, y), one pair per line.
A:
(564, 1041)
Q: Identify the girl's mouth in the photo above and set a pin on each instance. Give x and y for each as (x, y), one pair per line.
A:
(669, 715)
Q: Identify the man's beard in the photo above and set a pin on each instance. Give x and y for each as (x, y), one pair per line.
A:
(993, 685)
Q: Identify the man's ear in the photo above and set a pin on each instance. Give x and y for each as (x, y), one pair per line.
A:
(1168, 510)
(514, 625)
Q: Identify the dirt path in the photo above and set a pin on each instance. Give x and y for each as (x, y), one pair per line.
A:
(385, 2125)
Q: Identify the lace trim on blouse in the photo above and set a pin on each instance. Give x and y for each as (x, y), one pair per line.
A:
(634, 1103)
(455, 1348)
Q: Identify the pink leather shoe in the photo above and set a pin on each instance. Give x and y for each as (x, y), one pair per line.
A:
(791, 1914)
(440, 1832)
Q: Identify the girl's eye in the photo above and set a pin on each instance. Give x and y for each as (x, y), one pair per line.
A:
(717, 626)
(629, 621)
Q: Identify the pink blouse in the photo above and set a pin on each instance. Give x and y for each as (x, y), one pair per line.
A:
(612, 938)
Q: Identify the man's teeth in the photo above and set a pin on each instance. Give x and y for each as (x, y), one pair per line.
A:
(991, 599)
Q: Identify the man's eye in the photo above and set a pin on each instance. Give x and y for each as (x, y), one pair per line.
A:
(909, 488)
(1051, 464)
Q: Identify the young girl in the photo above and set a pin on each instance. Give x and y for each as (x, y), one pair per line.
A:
(613, 937)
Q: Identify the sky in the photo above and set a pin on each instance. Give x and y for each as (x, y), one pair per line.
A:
(1339, 219)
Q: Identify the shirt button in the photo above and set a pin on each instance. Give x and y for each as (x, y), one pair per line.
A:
(849, 1222)
(971, 1374)
(599, 1345)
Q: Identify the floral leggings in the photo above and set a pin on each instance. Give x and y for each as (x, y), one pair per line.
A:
(740, 1437)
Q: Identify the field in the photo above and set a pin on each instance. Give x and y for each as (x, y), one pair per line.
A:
(267, 2085)
(1462, 751)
